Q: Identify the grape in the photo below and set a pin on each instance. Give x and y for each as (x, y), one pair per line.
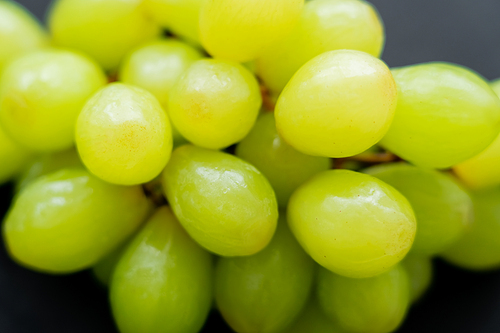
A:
(41, 94)
(69, 220)
(442, 208)
(240, 30)
(351, 223)
(374, 305)
(338, 104)
(46, 164)
(103, 270)
(283, 166)
(123, 135)
(215, 103)
(181, 17)
(479, 248)
(224, 203)
(105, 29)
(19, 32)
(163, 282)
(324, 25)
(13, 157)
(419, 269)
(445, 114)
(156, 66)
(266, 291)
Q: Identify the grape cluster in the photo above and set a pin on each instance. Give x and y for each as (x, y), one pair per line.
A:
(253, 156)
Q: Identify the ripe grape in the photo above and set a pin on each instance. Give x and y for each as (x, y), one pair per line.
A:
(123, 135)
(69, 220)
(13, 157)
(283, 166)
(419, 269)
(41, 95)
(163, 281)
(445, 114)
(240, 30)
(223, 202)
(104, 269)
(215, 103)
(351, 223)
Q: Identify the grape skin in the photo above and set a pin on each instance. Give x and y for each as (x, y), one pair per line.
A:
(420, 272)
(13, 157)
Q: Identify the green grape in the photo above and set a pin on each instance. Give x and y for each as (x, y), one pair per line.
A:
(14, 157)
(41, 94)
(265, 292)
(69, 220)
(479, 248)
(20, 32)
(224, 203)
(181, 17)
(442, 208)
(103, 270)
(318, 122)
(445, 114)
(419, 269)
(351, 223)
(46, 164)
(284, 167)
(163, 281)
(104, 29)
(373, 305)
(324, 25)
(215, 103)
(156, 66)
(240, 30)
(123, 135)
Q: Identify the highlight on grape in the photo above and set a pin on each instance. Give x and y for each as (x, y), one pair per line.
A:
(253, 157)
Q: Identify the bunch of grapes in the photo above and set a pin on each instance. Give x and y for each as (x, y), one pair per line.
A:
(252, 156)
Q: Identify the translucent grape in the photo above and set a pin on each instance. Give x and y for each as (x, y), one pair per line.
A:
(265, 292)
(223, 202)
(442, 208)
(445, 114)
(316, 121)
(215, 103)
(351, 223)
(419, 269)
(373, 305)
(324, 25)
(69, 220)
(163, 282)
(240, 30)
(13, 157)
(19, 32)
(104, 269)
(41, 94)
(479, 248)
(105, 29)
(123, 135)
(283, 166)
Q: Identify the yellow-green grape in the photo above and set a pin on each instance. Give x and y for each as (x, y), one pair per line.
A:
(419, 269)
(104, 29)
(45, 164)
(351, 223)
(123, 135)
(103, 270)
(13, 156)
(163, 281)
(265, 292)
(156, 66)
(283, 166)
(445, 115)
(215, 103)
(338, 104)
(41, 95)
(373, 305)
(181, 17)
(324, 25)
(223, 202)
(442, 207)
(240, 30)
(479, 248)
(69, 220)
(20, 32)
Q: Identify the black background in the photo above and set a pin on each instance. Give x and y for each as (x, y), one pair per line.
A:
(466, 32)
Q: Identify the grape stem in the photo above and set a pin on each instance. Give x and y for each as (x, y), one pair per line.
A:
(267, 102)
(374, 157)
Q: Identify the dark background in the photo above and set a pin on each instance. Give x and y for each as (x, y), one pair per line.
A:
(466, 32)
